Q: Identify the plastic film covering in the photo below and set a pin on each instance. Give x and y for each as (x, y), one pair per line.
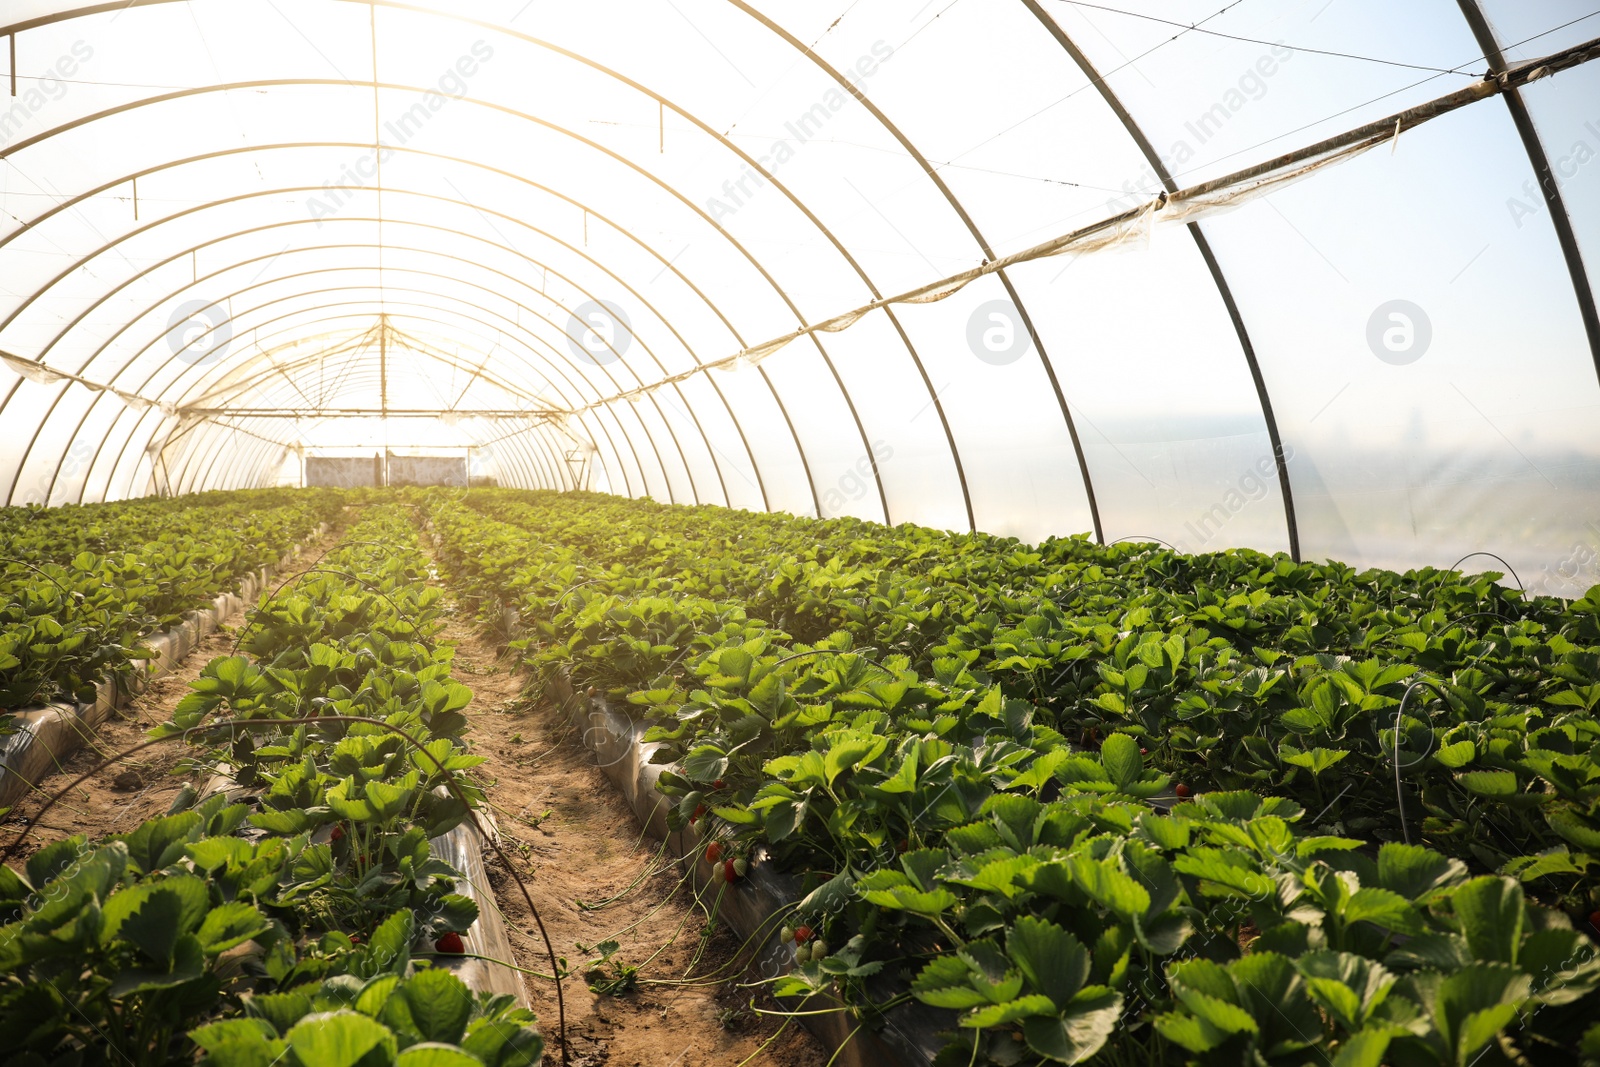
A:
(1301, 277)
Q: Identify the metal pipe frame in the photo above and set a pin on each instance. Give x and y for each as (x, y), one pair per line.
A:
(364, 315)
(452, 232)
(136, 277)
(1153, 159)
(1470, 10)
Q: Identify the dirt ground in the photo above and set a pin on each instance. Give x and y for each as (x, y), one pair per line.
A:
(141, 786)
(571, 836)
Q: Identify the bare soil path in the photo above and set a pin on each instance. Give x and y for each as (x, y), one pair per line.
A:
(571, 837)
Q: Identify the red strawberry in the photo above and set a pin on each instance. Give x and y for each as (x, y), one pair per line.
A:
(355, 939)
(338, 833)
(1182, 790)
(802, 934)
(1144, 751)
(903, 845)
(719, 784)
(1594, 919)
(450, 943)
(729, 874)
(714, 852)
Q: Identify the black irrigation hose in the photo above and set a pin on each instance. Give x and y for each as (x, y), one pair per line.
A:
(1399, 795)
(36, 570)
(1142, 539)
(251, 724)
(825, 651)
(1520, 587)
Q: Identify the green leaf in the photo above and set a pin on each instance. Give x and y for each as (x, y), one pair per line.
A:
(1365, 1049)
(848, 750)
(1474, 1004)
(1384, 909)
(390, 948)
(440, 1005)
(429, 1054)
(230, 925)
(378, 1000)
(1496, 785)
(188, 963)
(216, 852)
(239, 1043)
(1078, 1032)
(1346, 986)
(159, 842)
(339, 1039)
(1109, 886)
(1190, 1031)
(1225, 873)
(1009, 1012)
(1315, 760)
(1415, 872)
(1053, 961)
(453, 911)
(282, 1010)
(943, 983)
(706, 763)
(52, 859)
(153, 914)
(1574, 828)
(1119, 755)
(388, 800)
(1491, 912)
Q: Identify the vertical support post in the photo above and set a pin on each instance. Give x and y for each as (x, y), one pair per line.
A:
(12, 38)
(383, 364)
(136, 200)
(661, 121)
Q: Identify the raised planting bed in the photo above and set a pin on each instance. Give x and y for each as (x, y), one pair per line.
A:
(463, 848)
(321, 906)
(48, 733)
(755, 906)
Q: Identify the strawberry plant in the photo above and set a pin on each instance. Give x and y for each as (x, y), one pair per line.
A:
(297, 924)
(1185, 766)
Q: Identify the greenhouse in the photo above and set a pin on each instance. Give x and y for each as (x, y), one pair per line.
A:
(907, 532)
